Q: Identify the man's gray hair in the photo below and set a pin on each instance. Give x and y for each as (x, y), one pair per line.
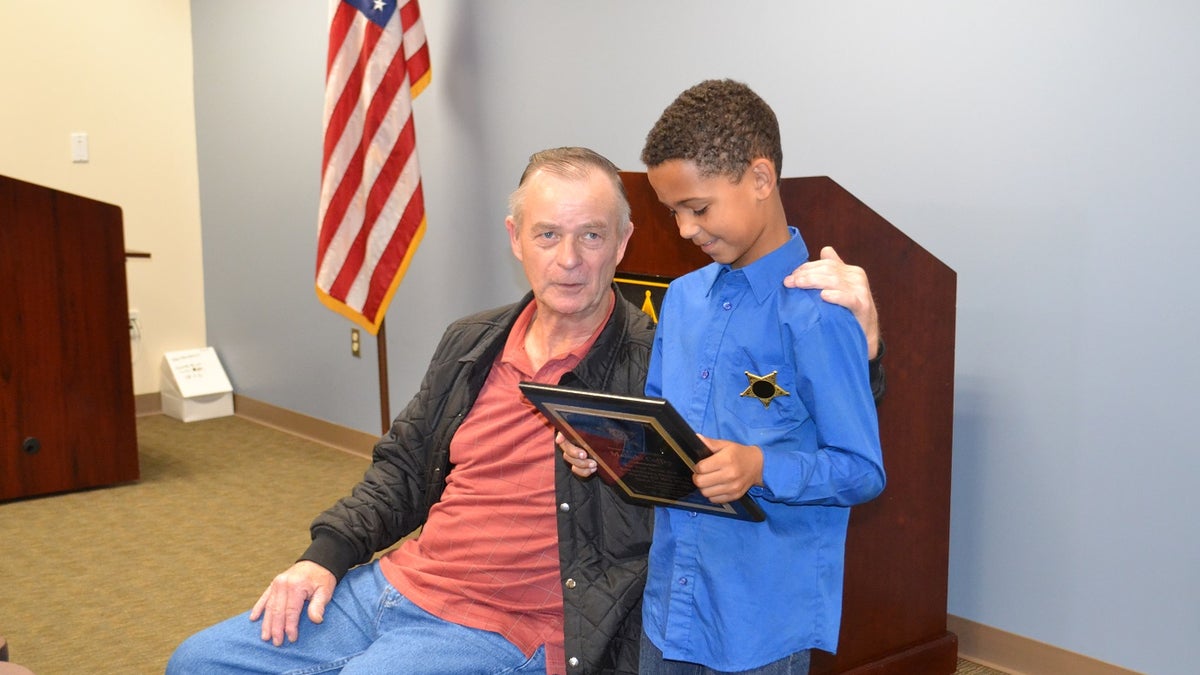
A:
(572, 163)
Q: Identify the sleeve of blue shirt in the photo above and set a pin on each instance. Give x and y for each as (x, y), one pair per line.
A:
(847, 465)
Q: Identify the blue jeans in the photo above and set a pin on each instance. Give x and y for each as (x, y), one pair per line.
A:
(368, 628)
(651, 662)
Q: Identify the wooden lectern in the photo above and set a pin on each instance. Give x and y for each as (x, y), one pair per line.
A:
(66, 411)
(897, 548)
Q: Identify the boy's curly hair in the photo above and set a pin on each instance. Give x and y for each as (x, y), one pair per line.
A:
(721, 125)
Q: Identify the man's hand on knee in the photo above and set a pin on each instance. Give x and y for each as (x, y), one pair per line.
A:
(280, 605)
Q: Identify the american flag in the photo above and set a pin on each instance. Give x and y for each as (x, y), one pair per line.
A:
(372, 211)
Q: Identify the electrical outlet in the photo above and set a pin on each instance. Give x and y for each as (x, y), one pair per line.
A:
(79, 147)
(355, 343)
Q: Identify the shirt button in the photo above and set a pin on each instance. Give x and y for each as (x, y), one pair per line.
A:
(683, 581)
(727, 305)
(704, 374)
(570, 583)
(692, 514)
(573, 662)
(564, 507)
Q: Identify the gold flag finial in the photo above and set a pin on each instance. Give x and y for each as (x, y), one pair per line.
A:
(648, 307)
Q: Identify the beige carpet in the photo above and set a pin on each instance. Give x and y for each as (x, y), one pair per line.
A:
(111, 580)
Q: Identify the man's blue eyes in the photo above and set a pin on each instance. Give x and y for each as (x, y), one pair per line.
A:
(591, 236)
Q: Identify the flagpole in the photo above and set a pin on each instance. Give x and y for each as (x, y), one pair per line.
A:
(384, 406)
(378, 61)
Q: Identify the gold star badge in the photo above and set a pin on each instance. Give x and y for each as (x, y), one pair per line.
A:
(764, 388)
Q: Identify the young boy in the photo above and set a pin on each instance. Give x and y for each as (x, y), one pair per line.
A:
(775, 381)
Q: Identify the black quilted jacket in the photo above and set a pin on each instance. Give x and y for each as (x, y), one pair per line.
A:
(603, 541)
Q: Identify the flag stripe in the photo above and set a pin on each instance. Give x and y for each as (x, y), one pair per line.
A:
(376, 247)
(404, 238)
(342, 125)
(371, 142)
(381, 192)
(379, 186)
(339, 28)
(372, 213)
(346, 80)
(416, 50)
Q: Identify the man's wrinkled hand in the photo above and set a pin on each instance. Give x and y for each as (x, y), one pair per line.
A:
(280, 605)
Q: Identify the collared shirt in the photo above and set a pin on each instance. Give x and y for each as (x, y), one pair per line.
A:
(488, 554)
(734, 595)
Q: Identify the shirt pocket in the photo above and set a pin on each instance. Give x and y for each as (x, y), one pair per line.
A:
(764, 400)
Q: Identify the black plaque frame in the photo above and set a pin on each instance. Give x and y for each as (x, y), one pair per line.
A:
(645, 450)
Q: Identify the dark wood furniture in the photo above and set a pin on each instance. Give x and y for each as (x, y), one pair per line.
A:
(66, 408)
(897, 549)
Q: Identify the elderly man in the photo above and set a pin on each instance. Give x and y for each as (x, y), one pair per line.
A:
(519, 567)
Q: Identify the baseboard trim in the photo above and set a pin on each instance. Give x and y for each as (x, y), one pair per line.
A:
(335, 436)
(316, 430)
(147, 404)
(1019, 655)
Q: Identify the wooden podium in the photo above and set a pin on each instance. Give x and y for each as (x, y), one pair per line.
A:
(66, 410)
(897, 548)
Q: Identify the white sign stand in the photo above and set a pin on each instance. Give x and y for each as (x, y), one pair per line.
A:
(194, 385)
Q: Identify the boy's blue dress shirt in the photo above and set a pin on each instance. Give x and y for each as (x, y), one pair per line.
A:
(735, 595)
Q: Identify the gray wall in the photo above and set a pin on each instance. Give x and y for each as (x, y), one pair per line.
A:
(1047, 151)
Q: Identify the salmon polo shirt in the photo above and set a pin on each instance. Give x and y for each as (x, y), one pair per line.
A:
(487, 557)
